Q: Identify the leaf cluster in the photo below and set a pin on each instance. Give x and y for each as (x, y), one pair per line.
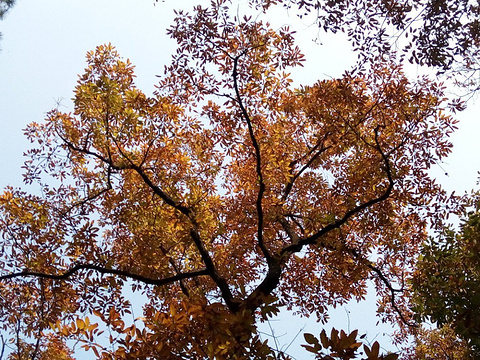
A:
(343, 346)
(443, 34)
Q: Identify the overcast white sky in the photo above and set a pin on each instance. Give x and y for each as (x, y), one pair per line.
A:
(43, 49)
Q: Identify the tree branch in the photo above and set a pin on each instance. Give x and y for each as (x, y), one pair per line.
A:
(167, 199)
(212, 272)
(103, 270)
(312, 239)
(177, 271)
(258, 167)
(289, 185)
(210, 267)
(92, 196)
(297, 243)
(392, 290)
(272, 278)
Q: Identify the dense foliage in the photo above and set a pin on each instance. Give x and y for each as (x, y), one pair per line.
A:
(447, 285)
(5, 5)
(443, 34)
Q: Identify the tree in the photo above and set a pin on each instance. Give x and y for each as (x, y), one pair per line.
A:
(443, 34)
(5, 5)
(221, 198)
(440, 343)
(446, 284)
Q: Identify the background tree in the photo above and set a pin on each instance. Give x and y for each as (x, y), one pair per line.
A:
(221, 198)
(440, 343)
(446, 284)
(5, 5)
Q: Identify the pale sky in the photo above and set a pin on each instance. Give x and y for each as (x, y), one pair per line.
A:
(43, 49)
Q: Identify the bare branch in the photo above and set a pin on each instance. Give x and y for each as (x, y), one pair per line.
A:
(3, 346)
(90, 197)
(393, 291)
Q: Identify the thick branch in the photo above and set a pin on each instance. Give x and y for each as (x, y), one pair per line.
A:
(212, 272)
(298, 243)
(73, 270)
(167, 199)
(258, 167)
(269, 283)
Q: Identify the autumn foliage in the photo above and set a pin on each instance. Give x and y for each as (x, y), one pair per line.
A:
(226, 195)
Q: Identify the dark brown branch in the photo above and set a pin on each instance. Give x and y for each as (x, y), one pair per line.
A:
(210, 267)
(167, 199)
(103, 270)
(94, 154)
(288, 229)
(17, 333)
(42, 320)
(258, 167)
(271, 280)
(289, 185)
(90, 197)
(312, 239)
(296, 220)
(269, 283)
(3, 346)
(393, 291)
(195, 235)
(354, 253)
(177, 271)
(213, 273)
(297, 243)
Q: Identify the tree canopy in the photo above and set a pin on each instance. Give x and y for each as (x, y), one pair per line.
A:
(223, 197)
(447, 281)
(5, 5)
(443, 34)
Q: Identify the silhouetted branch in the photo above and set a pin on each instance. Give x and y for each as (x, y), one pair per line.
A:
(258, 159)
(103, 270)
(312, 239)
